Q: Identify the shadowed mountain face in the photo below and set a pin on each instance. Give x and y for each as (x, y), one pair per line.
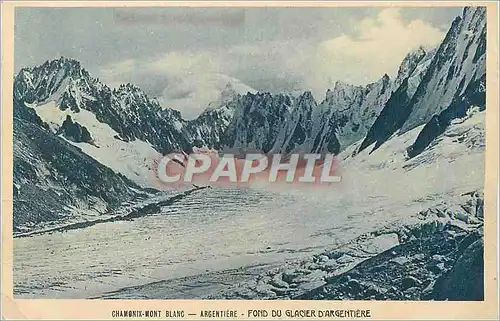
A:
(459, 61)
(280, 124)
(390, 119)
(54, 180)
(353, 109)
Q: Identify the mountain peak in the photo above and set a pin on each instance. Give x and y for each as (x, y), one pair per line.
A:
(40, 83)
(339, 84)
(470, 11)
(409, 64)
(307, 97)
(228, 93)
(72, 66)
(69, 66)
(341, 88)
(131, 95)
(128, 87)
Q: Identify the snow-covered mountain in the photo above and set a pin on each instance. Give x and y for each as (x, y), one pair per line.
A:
(353, 109)
(120, 128)
(127, 131)
(285, 123)
(457, 64)
(127, 110)
(459, 61)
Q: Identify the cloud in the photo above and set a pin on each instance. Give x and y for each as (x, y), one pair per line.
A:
(188, 80)
(113, 73)
(192, 94)
(372, 47)
(185, 62)
(377, 46)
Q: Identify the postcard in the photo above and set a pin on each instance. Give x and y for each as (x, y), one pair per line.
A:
(249, 160)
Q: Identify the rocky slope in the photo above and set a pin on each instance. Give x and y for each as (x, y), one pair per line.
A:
(429, 263)
(474, 96)
(459, 61)
(425, 258)
(55, 182)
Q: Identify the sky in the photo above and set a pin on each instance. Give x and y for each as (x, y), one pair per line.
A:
(185, 56)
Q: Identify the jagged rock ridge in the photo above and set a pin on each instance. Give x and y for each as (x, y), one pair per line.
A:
(127, 109)
(355, 108)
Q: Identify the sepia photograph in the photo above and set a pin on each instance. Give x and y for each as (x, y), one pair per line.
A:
(314, 153)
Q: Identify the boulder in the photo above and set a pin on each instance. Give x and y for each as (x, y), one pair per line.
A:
(465, 281)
